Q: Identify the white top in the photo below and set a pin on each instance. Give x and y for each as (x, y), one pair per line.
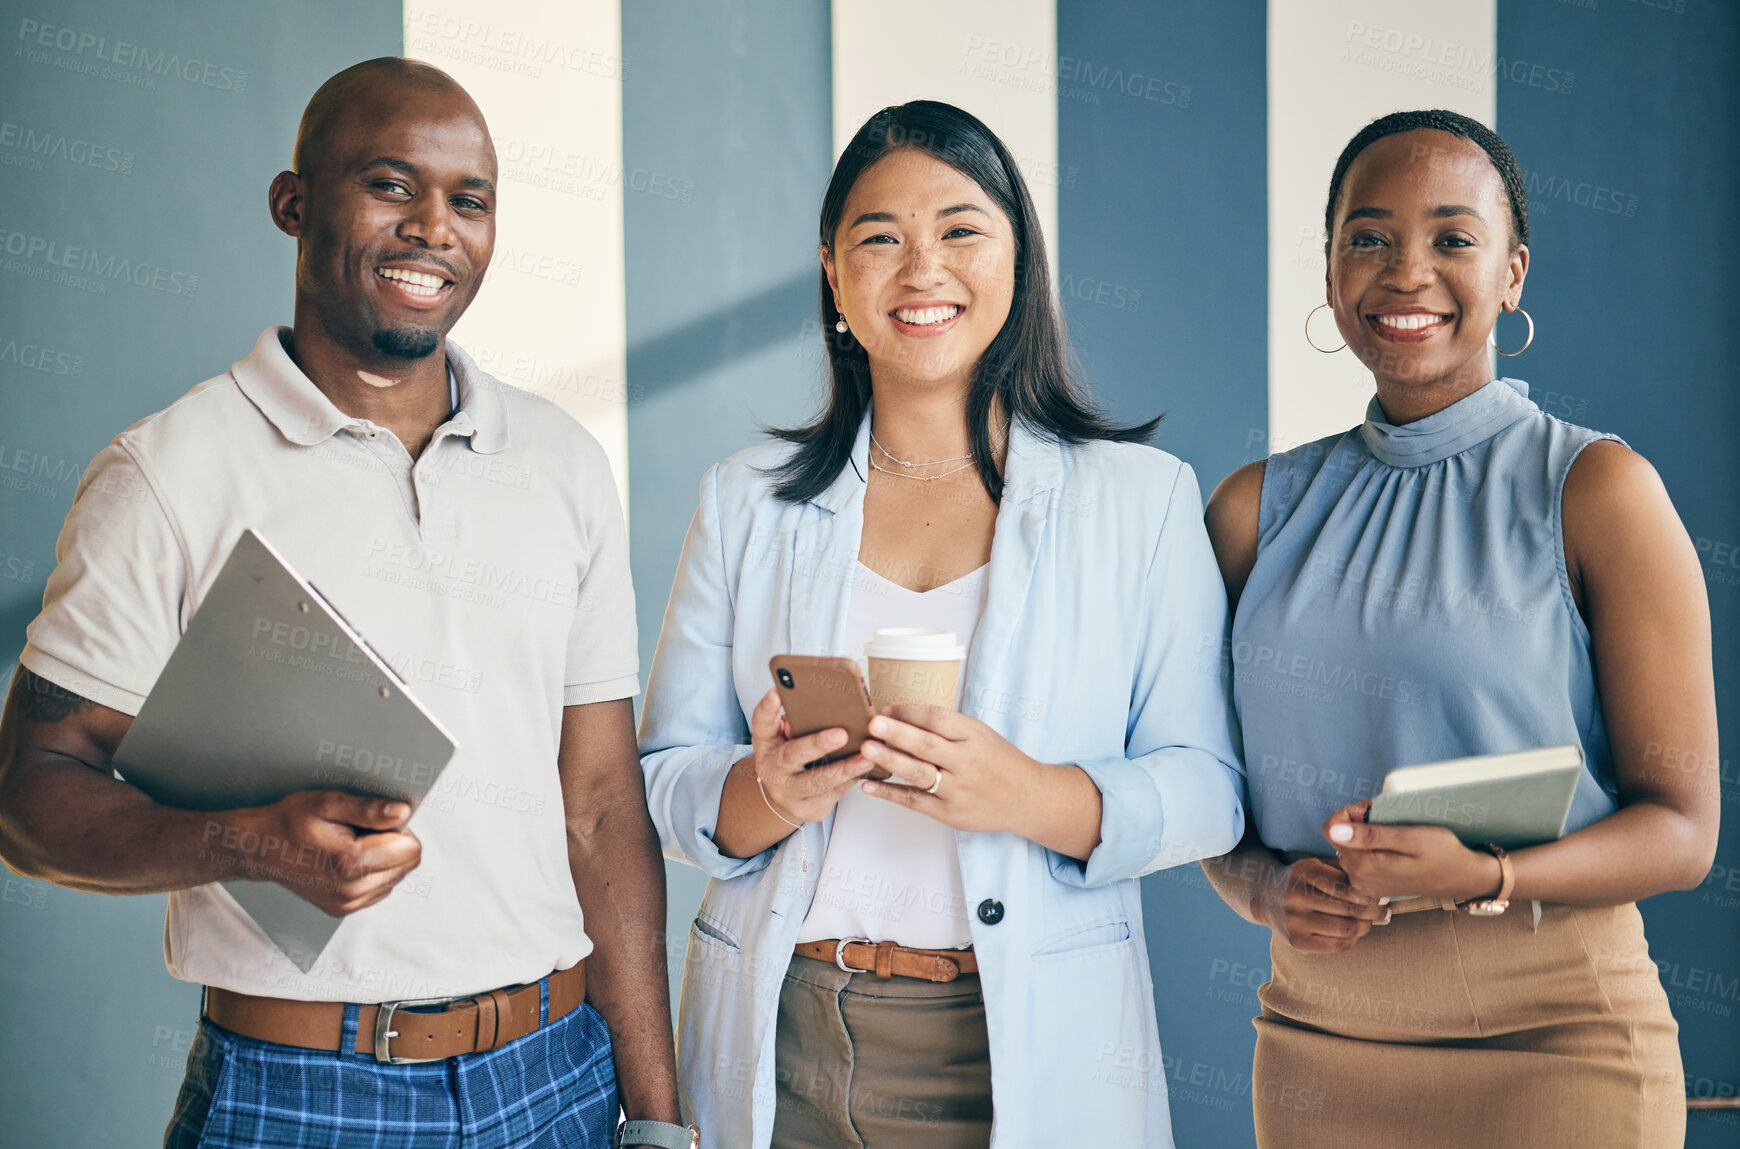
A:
(491, 573)
(892, 874)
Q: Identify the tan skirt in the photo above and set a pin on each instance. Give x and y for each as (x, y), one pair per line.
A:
(1442, 1029)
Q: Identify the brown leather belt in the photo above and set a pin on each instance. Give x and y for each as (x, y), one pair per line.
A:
(885, 959)
(398, 1031)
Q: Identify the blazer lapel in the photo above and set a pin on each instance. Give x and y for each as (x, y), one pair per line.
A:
(1032, 471)
(823, 557)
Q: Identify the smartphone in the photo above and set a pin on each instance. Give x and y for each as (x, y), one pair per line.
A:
(822, 693)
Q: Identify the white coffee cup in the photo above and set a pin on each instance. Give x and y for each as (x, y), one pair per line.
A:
(918, 664)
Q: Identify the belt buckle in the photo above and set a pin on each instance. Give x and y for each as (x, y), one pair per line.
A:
(384, 1031)
(840, 952)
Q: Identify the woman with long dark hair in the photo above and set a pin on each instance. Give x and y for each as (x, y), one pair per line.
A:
(1462, 574)
(952, 956)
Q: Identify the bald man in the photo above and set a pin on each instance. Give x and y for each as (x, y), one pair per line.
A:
(499, 977)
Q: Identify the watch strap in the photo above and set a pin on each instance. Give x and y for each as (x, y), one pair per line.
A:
(662, 1134)
(1499, 902)
(1508, 882)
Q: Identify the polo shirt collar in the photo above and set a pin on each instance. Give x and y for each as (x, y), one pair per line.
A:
(482, 414)
(305, 416)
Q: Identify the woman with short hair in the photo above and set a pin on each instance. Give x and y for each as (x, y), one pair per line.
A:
(1461, 574)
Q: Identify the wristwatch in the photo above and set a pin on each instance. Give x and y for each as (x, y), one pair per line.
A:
(1493, 906)
(660, 1133)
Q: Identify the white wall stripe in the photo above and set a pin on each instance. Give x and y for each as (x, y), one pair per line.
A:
(551, 316)
(1334, 65)
(995, 58)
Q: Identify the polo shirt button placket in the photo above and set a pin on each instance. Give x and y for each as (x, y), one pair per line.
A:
(420, 489)
(433, 522)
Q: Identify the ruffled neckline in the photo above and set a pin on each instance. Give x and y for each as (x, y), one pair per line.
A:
(1470, 420)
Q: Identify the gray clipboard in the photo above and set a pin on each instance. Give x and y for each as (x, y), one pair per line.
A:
(268, 692)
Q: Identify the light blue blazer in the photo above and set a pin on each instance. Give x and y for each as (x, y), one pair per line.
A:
(1099, 646)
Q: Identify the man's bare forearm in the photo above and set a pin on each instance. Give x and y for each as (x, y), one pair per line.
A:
(619, 878)
(65, 823)
(65, 818)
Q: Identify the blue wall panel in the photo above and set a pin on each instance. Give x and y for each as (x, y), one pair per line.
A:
(136, 259)
(734, 98)
(1162, 158)
(1163, 220)
(1631, 177)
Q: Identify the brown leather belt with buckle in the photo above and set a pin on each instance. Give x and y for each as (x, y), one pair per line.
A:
(885, 959)
(400, 1032)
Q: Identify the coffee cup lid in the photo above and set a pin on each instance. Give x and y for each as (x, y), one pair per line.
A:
(915, 644)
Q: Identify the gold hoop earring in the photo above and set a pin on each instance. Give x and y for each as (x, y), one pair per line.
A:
(1308, 338)
(1492, 336)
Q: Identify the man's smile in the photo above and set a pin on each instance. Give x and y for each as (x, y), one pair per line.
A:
(419, 288)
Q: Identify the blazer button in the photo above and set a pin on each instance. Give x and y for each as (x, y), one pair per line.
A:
(990, 911)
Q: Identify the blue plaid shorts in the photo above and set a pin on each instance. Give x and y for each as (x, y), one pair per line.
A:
(553, 1087)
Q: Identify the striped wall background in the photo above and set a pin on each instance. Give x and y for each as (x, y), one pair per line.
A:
(662, 165)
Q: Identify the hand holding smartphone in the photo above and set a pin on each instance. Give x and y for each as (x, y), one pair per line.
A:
(822, 693)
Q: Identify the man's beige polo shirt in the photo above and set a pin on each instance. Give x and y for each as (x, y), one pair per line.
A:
(492, 573)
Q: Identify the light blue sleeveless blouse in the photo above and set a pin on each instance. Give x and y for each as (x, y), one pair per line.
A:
(1409, 604)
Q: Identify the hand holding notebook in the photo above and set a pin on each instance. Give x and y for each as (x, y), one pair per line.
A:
(1507, 800)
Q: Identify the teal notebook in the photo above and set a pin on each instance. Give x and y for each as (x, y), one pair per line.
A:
(1510, 800)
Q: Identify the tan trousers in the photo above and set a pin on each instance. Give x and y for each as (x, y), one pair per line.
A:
(1446, 1031)
(866, 1063)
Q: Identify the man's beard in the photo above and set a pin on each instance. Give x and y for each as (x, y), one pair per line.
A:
(406, 342)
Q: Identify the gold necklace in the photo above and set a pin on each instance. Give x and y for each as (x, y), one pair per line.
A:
(996, 445)
(893, 458)
(875, 466)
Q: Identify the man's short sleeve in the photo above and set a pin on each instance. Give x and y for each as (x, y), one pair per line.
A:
(603, 658)
(112, 612)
